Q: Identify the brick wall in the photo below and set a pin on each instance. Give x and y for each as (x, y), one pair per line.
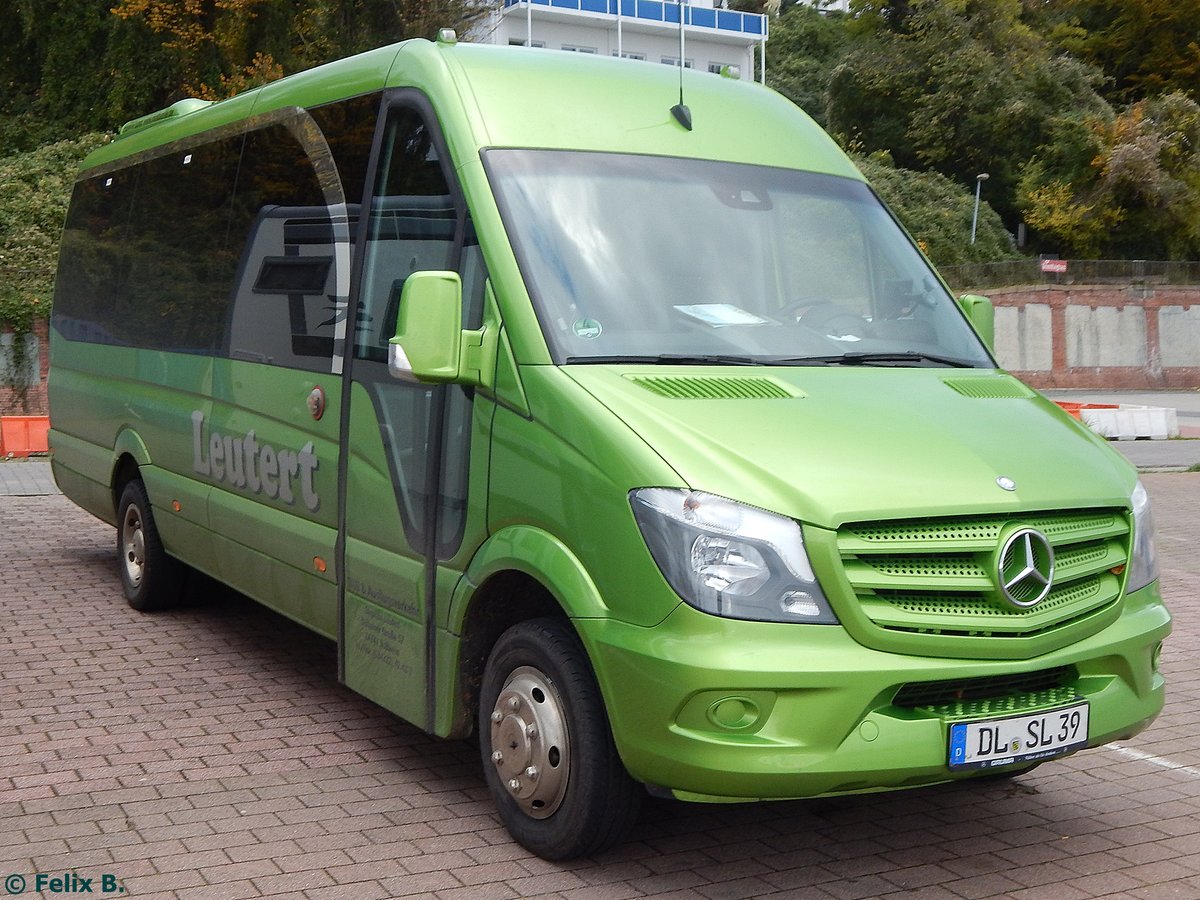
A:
(31, 401)
(1121, 337)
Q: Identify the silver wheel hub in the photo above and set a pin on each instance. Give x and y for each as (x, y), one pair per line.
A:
(529, 741)
(133, 546)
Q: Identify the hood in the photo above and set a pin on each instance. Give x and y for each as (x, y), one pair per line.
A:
(834, 445)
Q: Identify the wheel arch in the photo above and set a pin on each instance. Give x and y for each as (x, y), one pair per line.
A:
(520, 573)
(129, 455)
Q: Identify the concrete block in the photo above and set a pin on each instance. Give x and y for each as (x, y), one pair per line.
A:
(1128, 423)
(1179, 336)
(1105, 337)
(1024, 342)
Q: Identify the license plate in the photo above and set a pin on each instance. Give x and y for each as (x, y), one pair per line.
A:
(1003, 742)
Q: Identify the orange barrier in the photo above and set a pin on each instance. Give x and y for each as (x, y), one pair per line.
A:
(1074, 408)
(24, 435)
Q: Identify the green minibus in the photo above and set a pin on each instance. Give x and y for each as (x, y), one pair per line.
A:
(627, 432)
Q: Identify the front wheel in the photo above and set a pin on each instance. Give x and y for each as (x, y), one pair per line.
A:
(151, 579)
(548, 753)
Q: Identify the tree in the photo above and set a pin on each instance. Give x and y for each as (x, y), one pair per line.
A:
(34, 189)
(937, 212)
(212, 42)
(805, 47)
(69, 66)
(1138, 195)
(49, 70)
(963, 88)
(221, 47)
(330, 29)
(1146, 47)
(1081, 226)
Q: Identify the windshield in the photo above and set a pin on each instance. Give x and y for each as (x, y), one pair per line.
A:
(657, 259)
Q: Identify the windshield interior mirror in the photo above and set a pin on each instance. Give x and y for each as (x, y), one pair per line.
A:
(428, 342)
(982, 316)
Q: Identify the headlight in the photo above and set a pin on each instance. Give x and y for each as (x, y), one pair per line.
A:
(1143, 562)
(729, 559)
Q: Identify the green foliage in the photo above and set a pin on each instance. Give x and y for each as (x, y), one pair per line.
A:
(329, 29)
(804, 47)
(1080, 225)
(962, 88)
(1138, 193)
(53, 62)
(937, 213)
(216, 48)
(23, 131)
(136, 90)
(87, 65)
(34, 190)
(1020, 90)
(1147, 48)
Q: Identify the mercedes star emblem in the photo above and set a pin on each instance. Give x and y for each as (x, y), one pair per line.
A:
(1025, 567)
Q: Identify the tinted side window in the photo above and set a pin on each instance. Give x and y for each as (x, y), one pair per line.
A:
(411, 228)
(152, 254)
(293, 216)
(145, 258)
(181, 264)
(285, 307)
(349, 126)
(416, 224)
(93, 260)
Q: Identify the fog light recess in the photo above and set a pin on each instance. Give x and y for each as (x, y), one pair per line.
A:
(734, 713)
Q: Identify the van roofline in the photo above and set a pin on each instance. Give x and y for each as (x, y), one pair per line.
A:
(585, 103)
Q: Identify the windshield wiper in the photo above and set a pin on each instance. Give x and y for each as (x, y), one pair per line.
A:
(863, 358)
(859, 358)
(672, 359)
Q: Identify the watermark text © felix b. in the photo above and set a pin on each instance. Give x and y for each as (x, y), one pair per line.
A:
(67, 883)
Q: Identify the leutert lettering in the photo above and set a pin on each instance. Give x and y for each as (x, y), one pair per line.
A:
(244, 462)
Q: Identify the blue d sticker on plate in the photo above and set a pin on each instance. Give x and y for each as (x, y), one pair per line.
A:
(587, 329)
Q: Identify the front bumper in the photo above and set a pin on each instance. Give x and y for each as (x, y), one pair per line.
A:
(716, 709)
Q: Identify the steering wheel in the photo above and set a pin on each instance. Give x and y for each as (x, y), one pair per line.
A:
(824, 317)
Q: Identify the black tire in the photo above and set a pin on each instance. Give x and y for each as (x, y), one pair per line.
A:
(151, 579)
(579, 800)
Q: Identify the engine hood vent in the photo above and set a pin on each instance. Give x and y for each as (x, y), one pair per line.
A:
(716, 387)
(991, 387)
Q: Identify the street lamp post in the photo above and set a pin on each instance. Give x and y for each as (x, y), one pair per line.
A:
(979, 180)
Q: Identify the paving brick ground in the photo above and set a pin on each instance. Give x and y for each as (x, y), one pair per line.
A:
(26, 478)
(210, 753)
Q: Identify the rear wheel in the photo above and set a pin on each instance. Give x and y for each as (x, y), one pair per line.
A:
(547, 747)
(151, 579)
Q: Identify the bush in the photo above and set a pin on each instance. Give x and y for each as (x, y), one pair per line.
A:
(35, 188)
(937, 213)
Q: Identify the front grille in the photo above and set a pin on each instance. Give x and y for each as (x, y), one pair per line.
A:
(997, 707)
(941, 693)
(939, 576)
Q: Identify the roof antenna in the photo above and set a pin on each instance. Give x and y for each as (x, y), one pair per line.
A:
(682, 114)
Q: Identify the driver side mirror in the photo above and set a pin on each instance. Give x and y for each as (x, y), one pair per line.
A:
(428, 341)
(982, 315)
(430, 344)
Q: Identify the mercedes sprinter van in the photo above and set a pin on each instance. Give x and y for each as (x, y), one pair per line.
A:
(642, 443)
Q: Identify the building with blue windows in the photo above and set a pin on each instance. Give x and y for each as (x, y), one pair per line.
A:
(648, 30)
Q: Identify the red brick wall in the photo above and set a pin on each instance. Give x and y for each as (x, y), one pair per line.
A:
(1119, 337)
(31, 401)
